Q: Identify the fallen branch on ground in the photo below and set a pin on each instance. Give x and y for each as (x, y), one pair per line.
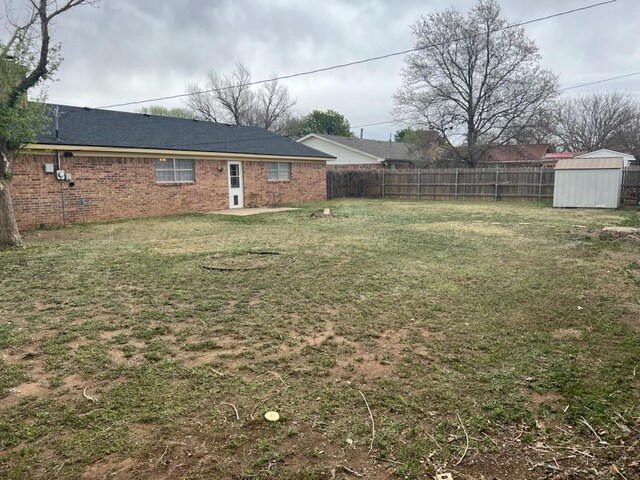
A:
(602, 442)
(231, 269)
(234, 408)
(614, 469)
(373, 424)
(88, 397)
(162, 456)
(353, 472)
(388, 460)
(275, 374)
(466, 435)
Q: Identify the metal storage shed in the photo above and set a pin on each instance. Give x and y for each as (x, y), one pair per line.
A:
(588, 183)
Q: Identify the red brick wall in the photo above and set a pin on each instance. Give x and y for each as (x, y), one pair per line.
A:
(117, 188)
(308, 183)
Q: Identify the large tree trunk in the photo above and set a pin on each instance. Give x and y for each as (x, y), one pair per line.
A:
(472, 144)
(9, 234)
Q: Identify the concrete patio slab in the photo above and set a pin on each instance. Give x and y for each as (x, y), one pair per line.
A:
(242, 212)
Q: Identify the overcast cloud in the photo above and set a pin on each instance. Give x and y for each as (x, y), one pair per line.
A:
(127, 50)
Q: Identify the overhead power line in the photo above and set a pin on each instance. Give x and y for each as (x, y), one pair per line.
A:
(601, 81)
(610, 79)
(360, 62)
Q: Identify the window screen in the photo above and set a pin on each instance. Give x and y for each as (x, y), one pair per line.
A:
(278, 171)
(175, 170)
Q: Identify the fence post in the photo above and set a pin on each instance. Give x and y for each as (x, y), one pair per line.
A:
(419, 183)
(382, 185)
(456, 191)
(497, 184)
(540, 185)
(332, 182)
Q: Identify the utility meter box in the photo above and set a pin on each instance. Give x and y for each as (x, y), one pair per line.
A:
(60, 174)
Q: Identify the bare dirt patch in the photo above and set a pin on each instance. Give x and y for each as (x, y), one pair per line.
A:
(317, 338)
(567, 333)
(112, 468)
(110, 334)
(548, 398)
(74, 382)
(201, 359)
(632, 318)
(24, 390)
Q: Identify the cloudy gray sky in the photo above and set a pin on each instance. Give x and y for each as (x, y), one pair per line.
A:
(127, 50)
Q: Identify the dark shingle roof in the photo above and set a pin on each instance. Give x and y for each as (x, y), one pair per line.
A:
(105, 128)
(377, 148)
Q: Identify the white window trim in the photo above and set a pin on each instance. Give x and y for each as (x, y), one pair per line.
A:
(174, 170)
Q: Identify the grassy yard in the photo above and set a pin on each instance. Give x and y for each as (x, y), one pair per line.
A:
(489, 341)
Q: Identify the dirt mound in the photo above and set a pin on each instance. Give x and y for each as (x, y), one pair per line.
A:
(623, 233)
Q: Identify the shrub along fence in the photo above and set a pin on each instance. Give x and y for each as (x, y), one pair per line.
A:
(515, 184)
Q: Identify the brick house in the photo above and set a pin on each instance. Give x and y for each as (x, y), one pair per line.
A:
(103, 165)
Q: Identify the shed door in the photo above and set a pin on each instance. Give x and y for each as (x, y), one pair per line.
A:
(236, 197)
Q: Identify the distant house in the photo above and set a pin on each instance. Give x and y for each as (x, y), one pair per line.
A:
(524, 155)
(103, 165)
(551, 159)
(357, 153)
(606, 153)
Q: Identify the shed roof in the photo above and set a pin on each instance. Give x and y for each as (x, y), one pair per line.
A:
(590, 164)
(106, 128)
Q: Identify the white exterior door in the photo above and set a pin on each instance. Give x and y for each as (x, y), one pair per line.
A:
(236, 197)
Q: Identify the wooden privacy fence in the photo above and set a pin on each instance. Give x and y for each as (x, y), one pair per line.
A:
(631, 186)
(519, 184)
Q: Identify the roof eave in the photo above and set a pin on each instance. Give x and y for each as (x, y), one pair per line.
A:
(151, 152)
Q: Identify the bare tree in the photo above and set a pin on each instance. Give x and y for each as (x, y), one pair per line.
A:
(476, 79)
(627, 139)
(540, 129)
(160, 111)
(274, 105)
(233, 99)
(596, 120)
(27, 59)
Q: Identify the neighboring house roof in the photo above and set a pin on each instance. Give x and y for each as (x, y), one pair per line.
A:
(518, 153)
(381, 150)
(595, 164)
(106, 128)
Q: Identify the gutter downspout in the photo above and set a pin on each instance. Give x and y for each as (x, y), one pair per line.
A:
(59, 167)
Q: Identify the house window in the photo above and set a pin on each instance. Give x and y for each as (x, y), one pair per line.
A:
(175, 170)
(278, 171)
